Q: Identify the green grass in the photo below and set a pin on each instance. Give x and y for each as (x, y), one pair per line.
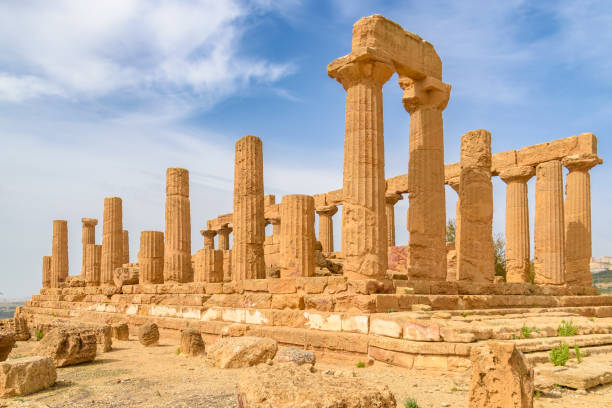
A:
(411, 403)
(591, 319)
(15, 345)
(178, 351)
(526, 332)
(559, 355)
(538, 394)
(465, 314)
(578, 355)
(39, 335)
(567, 329)
(361, 364)
(454, 389)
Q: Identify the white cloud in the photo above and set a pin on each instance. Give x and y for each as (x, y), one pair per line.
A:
(86, 50)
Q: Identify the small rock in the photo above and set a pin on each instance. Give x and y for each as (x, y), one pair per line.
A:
(148, 334)
(295, 355)
(191, 342)
(421, 308)
(104, 338)
(239, 352)
(121, 331)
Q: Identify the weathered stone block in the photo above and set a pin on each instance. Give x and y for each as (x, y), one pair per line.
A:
(26, 375)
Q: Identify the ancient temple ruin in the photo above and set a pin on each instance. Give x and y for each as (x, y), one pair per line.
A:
(404, 303)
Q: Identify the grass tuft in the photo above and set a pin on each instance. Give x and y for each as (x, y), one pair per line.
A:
(567, 329)
(411, 403)
(559, 355)
(361, 364)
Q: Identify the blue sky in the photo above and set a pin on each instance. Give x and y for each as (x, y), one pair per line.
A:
(99, 98)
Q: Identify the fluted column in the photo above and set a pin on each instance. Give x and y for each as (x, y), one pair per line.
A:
(578, 250)
(151, 257)
(126, 246)
(248, 218)
(326, 227)
(451, 264)
(425, 100)
(46, 271)
(112, 239)
(209, 238)
(549, 236)
(59, 253)
(297, 236)
(390, 201)
(517, 223)
(208, 266)
(223, 234)
(476, 254)
(93, 258)
(88, 236)
(364, 226)
(177, 245)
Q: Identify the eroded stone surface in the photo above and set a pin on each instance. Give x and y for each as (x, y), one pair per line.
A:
(148, 334)
(26, 375)
(191, 342)
(68, 346)
(7, 340)
(295, 355)
(239, 352)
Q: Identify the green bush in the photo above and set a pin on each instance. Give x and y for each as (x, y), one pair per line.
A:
(178, 351)
(567, 329)
(361, 364)
(39, 335)
(526, 332)
(559, 355)
(578, 355)
(411, 403)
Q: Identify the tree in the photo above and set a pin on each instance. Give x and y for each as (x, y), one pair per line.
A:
(451, 227)
(499, 247)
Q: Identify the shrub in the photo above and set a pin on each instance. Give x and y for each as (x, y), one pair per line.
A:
(361, 364)
(391, 311)
(411, 403)
(178, 351)
(578, 355)
(559, 355)
(454, 389)
(567, 329)
(525, 332)
(39, 335)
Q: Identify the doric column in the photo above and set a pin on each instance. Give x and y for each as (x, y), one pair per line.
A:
(112, 239)
(364, 226)
(578, 249)
(126, 246)
(248, 218)
(390, 201)
(93, 257)
(223, 234)
(518, 254)
(227, 265)
(209, 238)
(88, 236)
(276, 227)
(297, 236)
(208, 266)
(476, 255)
(451, 265)
(425, 100)
(46, 271)
(177, 245)
(59, 253)
(326, 227)
(151, 257)
(549, 236)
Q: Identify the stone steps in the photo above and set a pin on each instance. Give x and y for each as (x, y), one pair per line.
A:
(542, 357)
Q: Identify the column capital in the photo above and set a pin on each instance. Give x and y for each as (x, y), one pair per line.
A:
(426, 92)
(351, 70)
(328, 210)
(392, 198)
(520, 174)
(581, 162)
(208, 233)
(273, 220)
(224, 229)
(89, 221)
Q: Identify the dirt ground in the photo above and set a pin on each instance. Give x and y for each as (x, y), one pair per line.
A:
(134, 376)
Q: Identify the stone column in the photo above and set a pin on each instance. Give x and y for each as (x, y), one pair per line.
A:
(59, 253)
(177, 246)
(46, 271)
(517, 223)
(248, 217)
(549, 236)
(390, 201)
(93, 257)
(425, 100)
(227, 265)
(88, 236)
(297, 236)
(223, 234)
(476, 256)
(364, 226)
(112, 239)
(126, 246)
(208, 266)
(578, 249)
(151, 257)
(209, 238)
(326, 227)
(451, 258)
